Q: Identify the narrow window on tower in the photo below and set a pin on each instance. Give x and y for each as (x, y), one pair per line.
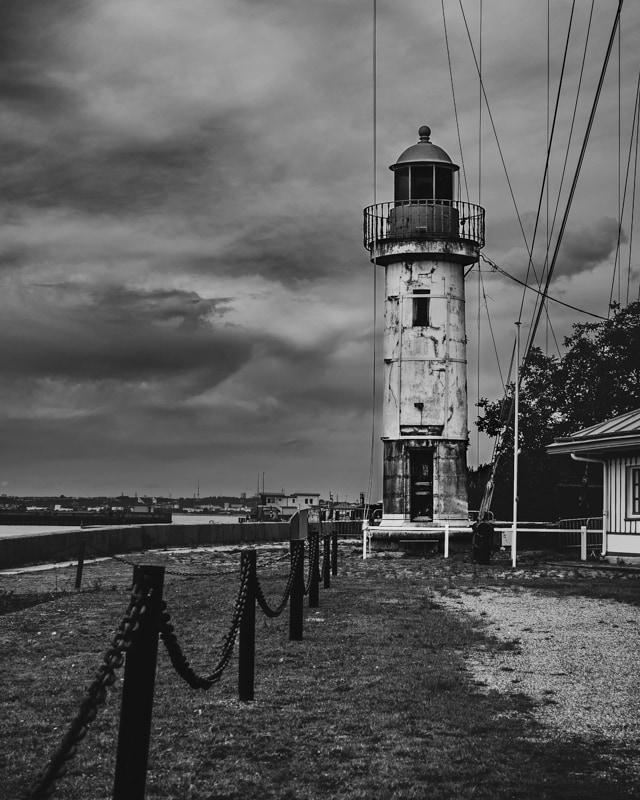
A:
(421, 306)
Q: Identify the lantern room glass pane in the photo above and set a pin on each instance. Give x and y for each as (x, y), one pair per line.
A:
(444, 183)
(422, 183)
(401, 181)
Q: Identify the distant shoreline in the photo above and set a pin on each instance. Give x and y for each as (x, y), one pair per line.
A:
(177, 519)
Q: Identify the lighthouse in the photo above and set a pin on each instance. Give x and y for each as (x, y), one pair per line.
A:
(424, 239)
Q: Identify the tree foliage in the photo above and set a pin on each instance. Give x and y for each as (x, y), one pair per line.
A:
(597, 378)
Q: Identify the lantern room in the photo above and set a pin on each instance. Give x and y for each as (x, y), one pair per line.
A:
(424, 171)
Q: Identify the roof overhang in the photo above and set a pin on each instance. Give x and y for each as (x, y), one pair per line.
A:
(597, 446)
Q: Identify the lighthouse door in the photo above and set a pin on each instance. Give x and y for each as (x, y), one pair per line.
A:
(421, 465)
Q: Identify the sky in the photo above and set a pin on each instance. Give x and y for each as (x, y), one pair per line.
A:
(185, 300)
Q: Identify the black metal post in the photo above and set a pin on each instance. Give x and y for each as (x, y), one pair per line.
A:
(137, 691)
(247, 647)
(314, 583)
(326, 561)
(296, 599)
(334, 553)
(81, 550)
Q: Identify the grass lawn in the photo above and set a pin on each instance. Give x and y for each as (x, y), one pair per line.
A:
(375, 702)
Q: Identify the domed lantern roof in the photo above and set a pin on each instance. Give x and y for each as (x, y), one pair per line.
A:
(424, 152)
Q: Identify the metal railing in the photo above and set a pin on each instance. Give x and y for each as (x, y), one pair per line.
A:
(423, 219)
(570, 536)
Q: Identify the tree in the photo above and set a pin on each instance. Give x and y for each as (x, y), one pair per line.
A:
(597, 378)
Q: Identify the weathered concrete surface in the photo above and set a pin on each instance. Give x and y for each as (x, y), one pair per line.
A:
(64, 546)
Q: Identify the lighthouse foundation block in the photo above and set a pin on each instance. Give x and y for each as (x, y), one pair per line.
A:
(425, 491)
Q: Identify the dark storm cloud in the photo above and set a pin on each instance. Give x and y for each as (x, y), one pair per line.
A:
(585, 246)
(97, 178)
(122, 334)
(181, 266)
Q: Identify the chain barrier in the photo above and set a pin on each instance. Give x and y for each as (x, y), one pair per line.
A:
(95, 697)
(114, 657)
(314, 550)
(323, 566)
(179, 660)
(264, 605)
(178, 572)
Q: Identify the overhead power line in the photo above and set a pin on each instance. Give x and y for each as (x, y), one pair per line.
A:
(537, 291)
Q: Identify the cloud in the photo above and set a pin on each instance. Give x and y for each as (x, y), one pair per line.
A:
(183, 287)
(585, 246)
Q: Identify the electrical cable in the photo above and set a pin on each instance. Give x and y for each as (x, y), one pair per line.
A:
(538, 291)
(495, 134)
(455, 105)
(624, 201)
(548, 156)
(583, 149)
(375, 266)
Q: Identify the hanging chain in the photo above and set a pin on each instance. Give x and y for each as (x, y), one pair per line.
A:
(180, 661)
(275, 612)
(96, 696)
(314, 551)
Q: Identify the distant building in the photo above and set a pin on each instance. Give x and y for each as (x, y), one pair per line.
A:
(284, 506)
(615, 444)
(144, 505)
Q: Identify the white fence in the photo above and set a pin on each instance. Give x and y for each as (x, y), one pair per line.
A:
(585, 533)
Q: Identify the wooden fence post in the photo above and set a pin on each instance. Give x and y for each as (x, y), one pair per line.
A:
(334, 553)
(296, 600)
(137, 691)
(326, 561)
(314, 583)
(82, 545)
(247, 646)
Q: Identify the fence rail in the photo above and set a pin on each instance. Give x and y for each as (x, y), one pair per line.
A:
(585, 533)
(147, 621)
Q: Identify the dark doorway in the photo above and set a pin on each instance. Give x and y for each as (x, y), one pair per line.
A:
(421, 465)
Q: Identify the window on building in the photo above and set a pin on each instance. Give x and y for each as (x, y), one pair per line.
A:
(421, 306)
(633, 491)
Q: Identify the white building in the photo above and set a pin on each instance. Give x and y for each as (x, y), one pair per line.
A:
(615, 444)
(285, 505)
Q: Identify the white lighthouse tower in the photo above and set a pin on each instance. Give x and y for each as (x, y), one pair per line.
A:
(424, 239)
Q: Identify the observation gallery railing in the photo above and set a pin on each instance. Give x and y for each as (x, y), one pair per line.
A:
(146, 621)
(423, 219)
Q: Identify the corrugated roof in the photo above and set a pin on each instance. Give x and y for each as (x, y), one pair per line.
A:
(625, 425)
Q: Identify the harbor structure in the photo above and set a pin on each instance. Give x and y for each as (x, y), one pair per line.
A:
(424, 239)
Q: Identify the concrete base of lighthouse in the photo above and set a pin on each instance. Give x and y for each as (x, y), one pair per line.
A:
(425, 491)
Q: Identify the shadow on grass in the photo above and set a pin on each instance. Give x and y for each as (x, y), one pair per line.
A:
(375, 701)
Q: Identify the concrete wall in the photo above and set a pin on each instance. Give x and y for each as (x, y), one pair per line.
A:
(16, 551)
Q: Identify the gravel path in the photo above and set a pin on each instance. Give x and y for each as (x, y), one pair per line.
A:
(578, 657)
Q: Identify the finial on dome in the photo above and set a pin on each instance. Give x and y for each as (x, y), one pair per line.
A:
(424, 132)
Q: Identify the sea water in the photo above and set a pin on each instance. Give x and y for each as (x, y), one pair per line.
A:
(177, 519)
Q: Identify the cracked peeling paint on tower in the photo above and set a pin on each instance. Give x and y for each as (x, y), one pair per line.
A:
(424, 239)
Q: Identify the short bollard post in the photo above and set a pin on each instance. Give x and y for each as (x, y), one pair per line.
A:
(137, 691)
(314, 583)
(326, 562)
(296, 599)
(82, 545)
(247, 646)
(334, 553)
(583, 543)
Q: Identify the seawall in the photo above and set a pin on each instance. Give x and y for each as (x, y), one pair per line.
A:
(38, 548)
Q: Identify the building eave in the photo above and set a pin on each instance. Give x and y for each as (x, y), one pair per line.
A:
(595, 445)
